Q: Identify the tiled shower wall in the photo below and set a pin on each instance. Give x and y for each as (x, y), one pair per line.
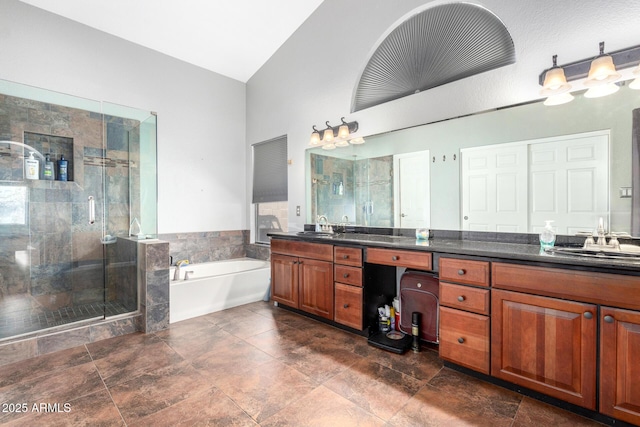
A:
(213, 246)
(378, 194)
(326, 175)
(64, 250)
(363, 201)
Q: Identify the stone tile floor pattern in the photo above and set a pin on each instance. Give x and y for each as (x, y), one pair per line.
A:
(256, 365)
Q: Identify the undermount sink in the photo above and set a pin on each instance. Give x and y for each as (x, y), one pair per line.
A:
(626, 252)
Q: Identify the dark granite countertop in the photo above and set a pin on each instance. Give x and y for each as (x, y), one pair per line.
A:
(497, 250)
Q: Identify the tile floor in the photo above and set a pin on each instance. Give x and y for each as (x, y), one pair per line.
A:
(256, 365)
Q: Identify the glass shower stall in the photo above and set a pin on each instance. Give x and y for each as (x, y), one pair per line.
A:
(66, 255)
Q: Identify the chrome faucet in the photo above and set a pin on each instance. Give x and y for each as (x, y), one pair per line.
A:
(598, 239)
(322, 224)
(176, 274)
(186, 274)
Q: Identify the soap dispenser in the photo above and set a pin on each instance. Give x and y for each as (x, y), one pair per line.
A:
(548, 236)
(31, 167)
(48, 170)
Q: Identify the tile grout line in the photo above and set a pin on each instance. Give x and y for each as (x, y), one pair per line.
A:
(105, 385)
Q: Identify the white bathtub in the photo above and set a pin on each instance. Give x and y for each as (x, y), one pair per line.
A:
(215, 286)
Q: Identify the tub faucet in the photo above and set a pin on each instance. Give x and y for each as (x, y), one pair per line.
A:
(176, 274)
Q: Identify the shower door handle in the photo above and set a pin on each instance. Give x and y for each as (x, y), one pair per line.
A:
(92, 210)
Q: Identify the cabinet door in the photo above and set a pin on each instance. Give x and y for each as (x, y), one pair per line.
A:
(464, 339)
(619, 367)
(545, 344)
(316, 287)
(348, 308)
(284, 279)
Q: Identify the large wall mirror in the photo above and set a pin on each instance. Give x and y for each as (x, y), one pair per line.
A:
(505, 170)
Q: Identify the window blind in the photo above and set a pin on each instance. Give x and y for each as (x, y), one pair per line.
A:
(270, 171)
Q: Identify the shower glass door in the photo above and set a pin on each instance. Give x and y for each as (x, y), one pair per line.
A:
(65, 255)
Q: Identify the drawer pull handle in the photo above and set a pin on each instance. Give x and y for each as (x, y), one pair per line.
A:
(461, 272)
(419, 285)
(461, 340)
(461, 298)
(609, 319)
(345, 306)
(588, 315)
(395, 258)
(345, 256)
(345, 275)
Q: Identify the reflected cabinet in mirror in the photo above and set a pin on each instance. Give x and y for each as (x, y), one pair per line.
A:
(506, 170)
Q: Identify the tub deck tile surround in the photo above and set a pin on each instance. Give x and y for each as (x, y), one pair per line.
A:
(198, 372)
(153, 262)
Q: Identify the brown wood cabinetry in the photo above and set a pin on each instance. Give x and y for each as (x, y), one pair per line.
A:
(464, 271)
(316, 287)
(464, 313)
(348, 309)
(303, 282)
(619, 367)
(399, 258)
(284, 279)
(545, 344)
(464, 338)
(348, 286)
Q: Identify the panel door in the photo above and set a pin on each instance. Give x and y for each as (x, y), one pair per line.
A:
(316, 287)
(545, 344)
(412, 189)
(492, 182)
(284, 279)
(569, 183)
(619, 367)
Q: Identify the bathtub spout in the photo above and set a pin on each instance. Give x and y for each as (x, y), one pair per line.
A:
(186, 274)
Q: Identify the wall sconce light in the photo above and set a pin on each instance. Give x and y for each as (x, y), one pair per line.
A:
(602, 70)
(555, 86)
(336, 136)
(315, 137)
(599, 75)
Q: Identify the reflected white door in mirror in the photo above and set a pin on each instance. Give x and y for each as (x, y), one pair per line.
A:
(411, 190)
(517, 187)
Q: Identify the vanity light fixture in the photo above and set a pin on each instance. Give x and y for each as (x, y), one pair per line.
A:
(602, 70)
(599, 75)
(327, 136)
(335, 136)
(555, 86)
(315, 137)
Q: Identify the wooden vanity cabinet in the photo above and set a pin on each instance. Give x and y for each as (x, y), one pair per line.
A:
(545, 344)
(302, 276)
(348, 309)
(464, 313)
(619, 366)
(400, 258)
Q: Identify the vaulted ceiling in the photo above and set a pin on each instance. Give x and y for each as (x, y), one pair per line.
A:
(231, 37)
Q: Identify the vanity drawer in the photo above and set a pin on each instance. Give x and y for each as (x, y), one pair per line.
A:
(398, 258)
(464, 298)
(464, 339)
(348, 306)
(349, 275)
(464, 271)
(347, 256)
(302, 249)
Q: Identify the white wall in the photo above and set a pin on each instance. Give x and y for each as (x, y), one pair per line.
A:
(201, 115)
(311, 78)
